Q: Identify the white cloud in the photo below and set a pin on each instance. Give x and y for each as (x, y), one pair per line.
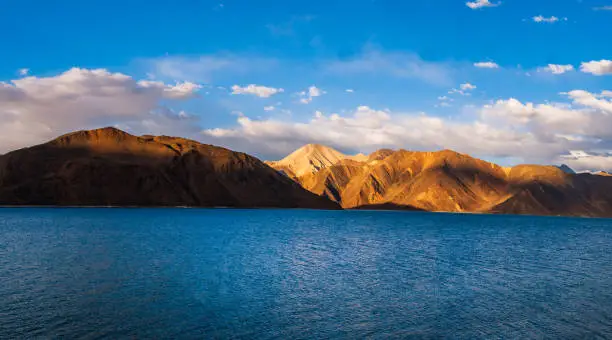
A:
(584, 121)
(269, 108)
(23, 72)
(598, 68)
(542, 19)
(481, 4)
(350, 90)
(533, 132)
(395, 64)
(367, 129)
(371, 62)
(556, 69)
(603, 8)
(464, 89)
(177, 91)
(580, 160)
(591, 100)
(444, 101)
(486, 64)
(33, 109)
(308, 95)
(257, 90)
(205, 68)
(467, 87)
(541, 118)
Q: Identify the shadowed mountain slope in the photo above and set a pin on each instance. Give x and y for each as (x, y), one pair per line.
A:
(111, 167)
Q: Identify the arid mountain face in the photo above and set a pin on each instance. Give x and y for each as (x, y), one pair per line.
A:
(452, 182)
(309, 159)
(110, 167)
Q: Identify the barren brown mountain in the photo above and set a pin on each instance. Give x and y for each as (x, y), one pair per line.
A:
(452, 182)
(111, 167)
(309, 159)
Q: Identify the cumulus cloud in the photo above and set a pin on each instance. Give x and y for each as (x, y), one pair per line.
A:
(556, 69)
(23, 71)
(533, 132)
(177, 91)
(467, 87)
(35, 109)
(464, 89)
(367, 129)
(257, 90)
(486, 64)
(592, 100)
(269, 108)
(540, 118)
(549, 20)
(481, 4)
(598, 68)
(580, 124)
(308, 95)
(349, 90)
(580, 160)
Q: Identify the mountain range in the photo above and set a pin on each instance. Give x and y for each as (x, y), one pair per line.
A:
(109, 167)
(446, 181)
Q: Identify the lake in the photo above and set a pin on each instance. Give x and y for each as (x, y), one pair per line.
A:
(301, 274)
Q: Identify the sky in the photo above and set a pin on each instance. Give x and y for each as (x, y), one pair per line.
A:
(511, 81)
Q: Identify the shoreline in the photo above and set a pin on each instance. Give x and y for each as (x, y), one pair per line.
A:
(135, 207)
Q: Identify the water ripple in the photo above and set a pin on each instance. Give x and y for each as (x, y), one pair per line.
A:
(279, 274)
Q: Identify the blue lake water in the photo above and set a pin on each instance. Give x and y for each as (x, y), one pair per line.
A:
(300, 274)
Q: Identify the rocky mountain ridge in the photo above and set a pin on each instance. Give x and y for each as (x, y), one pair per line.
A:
(109, 167)
(448, 181)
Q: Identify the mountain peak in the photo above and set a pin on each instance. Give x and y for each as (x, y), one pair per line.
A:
(315, 149)
(566, 169)
(310, 158)
(95, 135)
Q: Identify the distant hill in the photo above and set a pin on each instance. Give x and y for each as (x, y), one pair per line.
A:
(566, 169)
(453, 182)
(111, 167)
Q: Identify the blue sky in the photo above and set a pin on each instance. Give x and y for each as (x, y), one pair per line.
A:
(398, 58)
